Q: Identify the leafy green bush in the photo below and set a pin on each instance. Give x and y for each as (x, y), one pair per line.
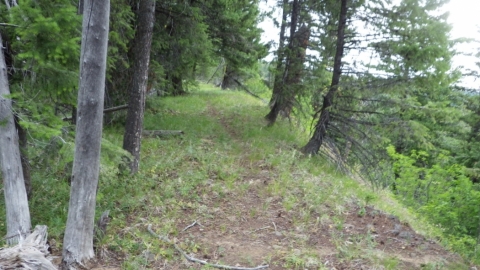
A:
(442, 193)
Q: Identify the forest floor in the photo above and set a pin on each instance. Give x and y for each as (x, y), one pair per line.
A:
(252, 206)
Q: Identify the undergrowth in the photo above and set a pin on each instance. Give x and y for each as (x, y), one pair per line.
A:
(225, 139)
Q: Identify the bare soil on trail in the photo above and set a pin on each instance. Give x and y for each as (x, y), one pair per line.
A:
(243, 232)
(248, 227)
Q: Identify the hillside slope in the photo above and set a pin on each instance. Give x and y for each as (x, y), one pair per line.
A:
(232, 191)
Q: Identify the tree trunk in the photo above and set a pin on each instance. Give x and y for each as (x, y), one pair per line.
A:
(22, 143)
(280, 52)
(136, 103)
(177, 85)
(74, 115)
(78, 239)
(294, 70)
(281, 95)
(294, 20)
(229, 78)
(313, 146)
(16, 201)
(277, 81)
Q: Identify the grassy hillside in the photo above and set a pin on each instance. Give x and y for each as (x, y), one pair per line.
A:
(252, 197)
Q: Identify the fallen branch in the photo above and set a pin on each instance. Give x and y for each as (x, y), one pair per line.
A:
(248, 91)
(191, 225)
(189, 258)
(221, 64)
(114, 109)
(162, 133)
(29, 253)
(9, 24)
(263, 228)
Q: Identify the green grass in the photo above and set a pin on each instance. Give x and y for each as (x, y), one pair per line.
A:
(225, 139)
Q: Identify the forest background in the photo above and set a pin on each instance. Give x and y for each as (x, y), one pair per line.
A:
(400, 119)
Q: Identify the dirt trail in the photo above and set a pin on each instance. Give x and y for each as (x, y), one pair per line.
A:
(248, 228)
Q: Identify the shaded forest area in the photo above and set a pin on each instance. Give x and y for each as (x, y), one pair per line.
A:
(370, 82)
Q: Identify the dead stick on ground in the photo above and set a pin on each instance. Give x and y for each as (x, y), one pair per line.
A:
(163, 238)
(189, 226)
(162, 133)
(263, 228)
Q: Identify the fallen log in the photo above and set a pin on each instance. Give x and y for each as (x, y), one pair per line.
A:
(162, 133)
(30, 253)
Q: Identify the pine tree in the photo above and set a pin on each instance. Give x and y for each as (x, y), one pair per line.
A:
(180, 43)
(286, 88)
(416, 54)
(232, 27)
(313, 145)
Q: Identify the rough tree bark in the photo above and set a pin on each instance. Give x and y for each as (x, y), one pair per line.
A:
(313, 146)
(78, 239)
(16, 201)
(136, 104)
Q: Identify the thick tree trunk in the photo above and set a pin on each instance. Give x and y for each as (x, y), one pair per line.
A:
(136, 103)
(78, 239)
(16, 202)
(313, 146)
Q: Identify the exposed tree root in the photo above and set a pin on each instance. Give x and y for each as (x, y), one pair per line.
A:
(30, 253)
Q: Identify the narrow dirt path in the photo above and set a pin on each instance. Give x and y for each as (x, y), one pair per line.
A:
(250, 227)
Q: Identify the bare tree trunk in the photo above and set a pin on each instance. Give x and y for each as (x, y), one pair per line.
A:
(313, 146)
(16, 201)
(136, 104)
(78, 239)
(22, 143)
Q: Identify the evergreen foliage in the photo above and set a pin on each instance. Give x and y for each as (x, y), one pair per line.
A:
(232, 27)
(398, 120)
(43, 52)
